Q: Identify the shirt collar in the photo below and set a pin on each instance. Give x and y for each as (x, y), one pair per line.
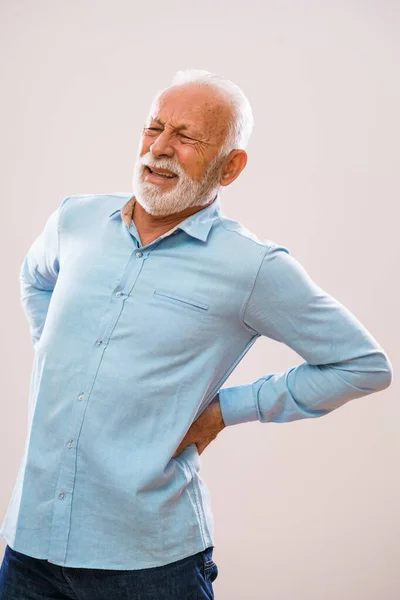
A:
(197, 225)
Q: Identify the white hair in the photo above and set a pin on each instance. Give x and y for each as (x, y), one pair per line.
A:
(242, 122)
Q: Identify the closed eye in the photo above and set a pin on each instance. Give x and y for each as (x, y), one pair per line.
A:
(185, 136)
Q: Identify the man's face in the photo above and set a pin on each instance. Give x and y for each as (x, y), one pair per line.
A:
(182, 138)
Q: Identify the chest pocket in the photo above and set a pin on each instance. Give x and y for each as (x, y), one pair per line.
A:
(177, 324)
(185, 303)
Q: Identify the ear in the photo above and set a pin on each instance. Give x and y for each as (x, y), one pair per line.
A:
(234, 165)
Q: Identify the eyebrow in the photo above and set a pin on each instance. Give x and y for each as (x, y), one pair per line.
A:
(179, 128)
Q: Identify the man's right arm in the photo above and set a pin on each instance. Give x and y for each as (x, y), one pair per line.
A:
(38, 274)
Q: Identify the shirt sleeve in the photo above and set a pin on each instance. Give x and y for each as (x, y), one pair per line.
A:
(343, 360)
(38, 274)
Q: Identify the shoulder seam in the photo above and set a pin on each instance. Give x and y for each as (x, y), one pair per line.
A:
(260, 243)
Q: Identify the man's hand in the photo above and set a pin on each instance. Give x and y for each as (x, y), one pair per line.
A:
(205, 428)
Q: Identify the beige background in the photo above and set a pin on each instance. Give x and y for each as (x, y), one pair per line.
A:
(304, 510)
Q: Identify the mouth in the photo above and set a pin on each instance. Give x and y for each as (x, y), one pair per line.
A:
(158, 174)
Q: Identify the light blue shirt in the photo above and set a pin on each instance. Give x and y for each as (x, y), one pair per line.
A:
(131, 343)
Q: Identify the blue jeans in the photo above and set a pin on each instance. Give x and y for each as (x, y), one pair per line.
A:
(23, 577)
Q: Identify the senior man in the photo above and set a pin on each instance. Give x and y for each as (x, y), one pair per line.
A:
(140, 307)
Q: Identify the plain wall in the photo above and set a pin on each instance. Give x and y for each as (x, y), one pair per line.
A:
(316, 502)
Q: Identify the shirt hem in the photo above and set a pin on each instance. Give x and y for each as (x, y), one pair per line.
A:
(109, 567)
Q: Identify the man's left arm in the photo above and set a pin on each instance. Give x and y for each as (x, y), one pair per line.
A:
(343, 360)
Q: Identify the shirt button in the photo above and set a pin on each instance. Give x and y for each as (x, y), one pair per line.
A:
(176, 231)
(70, 443)
(61, 496)
(118, 294)
(139, 254)
(81, 396)
(98, 342)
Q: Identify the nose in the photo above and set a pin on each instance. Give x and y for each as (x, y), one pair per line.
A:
(162, 145)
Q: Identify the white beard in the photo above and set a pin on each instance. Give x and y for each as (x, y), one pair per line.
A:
(187, 192)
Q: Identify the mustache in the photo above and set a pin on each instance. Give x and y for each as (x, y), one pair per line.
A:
(162, 163)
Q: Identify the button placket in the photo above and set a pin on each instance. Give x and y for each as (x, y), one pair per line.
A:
(60, 525)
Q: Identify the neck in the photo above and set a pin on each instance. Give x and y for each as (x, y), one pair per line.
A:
(150, 227)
